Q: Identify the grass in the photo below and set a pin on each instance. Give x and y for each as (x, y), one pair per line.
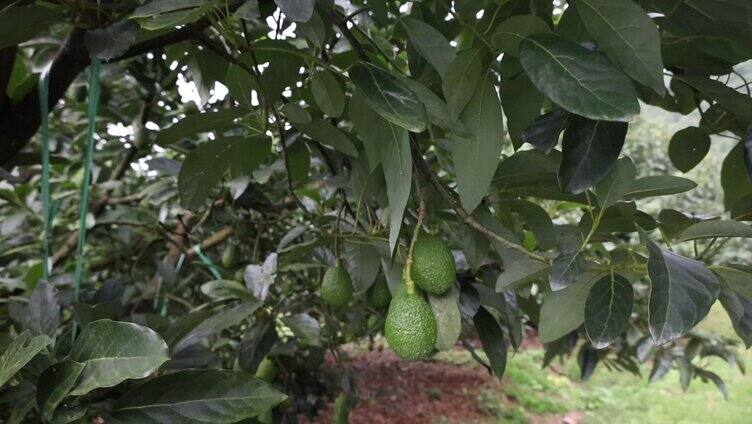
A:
(616, 397)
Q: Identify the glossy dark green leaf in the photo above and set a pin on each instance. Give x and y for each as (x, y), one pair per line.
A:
(616, 183)
(747, 149)
(54, 384)
(397, 164)
(204, 167)
(581, 81)
(17, 352)
(371, 132)
(739, 309)
(629, 37)
(115, 351)
(589, 151)
(438, 111)
(225, 289)
(674, 222)
(174, 18)
(543, 133)
(607, 309)
(448, 319)
(508, 34)
(568, 266)
(197, 396)
(296, 114)
(216, 324)
(735, 102)
(297, 10)
(734, 178)
(681, 294)
(476, 159)
(521, 101)
(737, 280)
(461, 79)
(688, 147)
(492, 338)
(328, 93)
(658, 185)
(42, 314)
(389, 96)
(112, 41)
(327, 134)
(240, 84)
(430, 43)
(192, 125)
(563, 311)
(157, 7)
(362, 264)
(716, 228)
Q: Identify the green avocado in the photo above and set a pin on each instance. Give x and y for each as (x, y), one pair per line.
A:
(266, 370)
(410, 327)
(433, 267)
(231, 257)
(378, 295)
(336, 288)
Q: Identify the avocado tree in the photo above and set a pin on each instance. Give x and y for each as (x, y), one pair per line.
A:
(194, 192)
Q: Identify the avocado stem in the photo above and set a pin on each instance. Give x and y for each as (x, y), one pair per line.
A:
(409, 283)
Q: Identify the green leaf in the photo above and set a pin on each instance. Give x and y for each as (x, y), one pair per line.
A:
(681, 293)
(438, 112)
(226, 289)
(42, 314)
(197, 396)
(607, 309)
(521, 101)
(363, 265)
(461, 79)
(55, 383)
(492, 338)
(397, 163)
(327, 134)
(738, 280)
(305, 328)
(18, 24)
(658, 185)
(240, 85)
(476, 159)
(569, 265)
(448, 319)
(371, 129)
(296, 114)
(543, 133)
(629, 37)
(581, 81)
(739, 309)
(589, 151)
(328, 93)
(111, 42)
(563, 310)
(736, 103)
(173, 19)
(389, 96)
(430, 43)
(297, 10)
(688, 147)
(113, 352)
(204, 166)
(198, 123)
(734, 180)
(16, 353)
(216, 324)
(155, 7)
(716, 228)
(509, 33)
(616, 183)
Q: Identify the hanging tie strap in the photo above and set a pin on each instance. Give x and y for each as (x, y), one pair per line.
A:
(44, 89)
(89, 153)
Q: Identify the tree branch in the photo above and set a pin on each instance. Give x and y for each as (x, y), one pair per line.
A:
(462, 213)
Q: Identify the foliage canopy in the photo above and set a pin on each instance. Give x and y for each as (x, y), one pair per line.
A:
(328, 133)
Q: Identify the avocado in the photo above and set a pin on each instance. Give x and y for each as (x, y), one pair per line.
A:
(231, 257)
(336, 288)
(266, 370)
(378, 295)
(410, 327)
(433, 268)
